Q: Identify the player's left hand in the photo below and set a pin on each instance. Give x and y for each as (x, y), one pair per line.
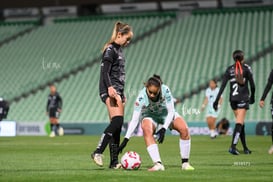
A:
(215, 105)
(161, 135)
(59, 110)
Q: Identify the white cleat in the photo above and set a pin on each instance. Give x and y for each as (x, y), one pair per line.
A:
(97, 159)
(52, 134)
(61, 131)
(187, 167)
(157, 167)
(270, 151)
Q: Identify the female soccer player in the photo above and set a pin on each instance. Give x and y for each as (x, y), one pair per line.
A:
(154, 108)
(53, 109)
(238, 74)
(211, 115)
(266, 90)
(111, 88)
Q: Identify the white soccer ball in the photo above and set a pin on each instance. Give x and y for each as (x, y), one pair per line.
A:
(131, 161)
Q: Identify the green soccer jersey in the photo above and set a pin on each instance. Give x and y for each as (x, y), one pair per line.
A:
(161, 111)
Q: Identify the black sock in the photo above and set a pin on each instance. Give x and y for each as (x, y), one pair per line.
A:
(185, 160)
(51, 127)
(113, 146)
(243, 137)
(104, 140)
(110, 132)
(58, 126)
(236, 135)
(113, 154)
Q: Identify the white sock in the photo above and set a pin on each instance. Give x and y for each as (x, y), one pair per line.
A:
(185, 148)
(211, 132)
(154, 153)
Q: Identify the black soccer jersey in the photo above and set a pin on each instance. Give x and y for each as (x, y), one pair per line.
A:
(112, 69)
(4, 109)
(54, 102)
(238, 92)
(268, 87)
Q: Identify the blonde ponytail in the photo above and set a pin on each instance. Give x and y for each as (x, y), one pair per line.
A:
(123, 28)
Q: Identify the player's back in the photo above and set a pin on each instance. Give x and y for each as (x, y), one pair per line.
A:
(239, 92)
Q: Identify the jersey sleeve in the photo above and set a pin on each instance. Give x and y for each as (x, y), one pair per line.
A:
(107, 61)
(136, 115)
(60, 102)
(108, 54)
(268, 86)
(251, 81)
(47, 104)
(170, 107)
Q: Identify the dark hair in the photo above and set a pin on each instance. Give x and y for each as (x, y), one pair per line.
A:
(215, 81)
(238, 55)
(154, 80)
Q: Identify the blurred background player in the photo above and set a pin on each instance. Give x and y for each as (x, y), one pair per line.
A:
(53, 110)
(222, 126)
(4, 109)
(211, 115)
(266, 90)
(238, 74)
(111, 90)
(154, 108)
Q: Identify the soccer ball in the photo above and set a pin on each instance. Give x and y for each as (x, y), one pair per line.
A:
(131, 161)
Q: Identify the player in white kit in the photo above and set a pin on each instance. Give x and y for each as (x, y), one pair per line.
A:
(154, 109)
(211, 114)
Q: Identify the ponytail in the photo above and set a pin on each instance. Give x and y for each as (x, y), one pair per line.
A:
(123, 28)
(238, 57)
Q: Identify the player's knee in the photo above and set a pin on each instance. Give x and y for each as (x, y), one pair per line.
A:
(146, 126)
(184, 133)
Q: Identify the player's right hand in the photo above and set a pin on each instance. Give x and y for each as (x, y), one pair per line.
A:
(215, 105)
(123, 145)
(261, 103)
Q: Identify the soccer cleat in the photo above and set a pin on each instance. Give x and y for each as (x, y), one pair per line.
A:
(97, 159)
(187, 167)
(116, 166)
(157, 167)
(233, 151)
(247, 151)
(61, 131)
(213, 137)
(52, 134)
(270, 151)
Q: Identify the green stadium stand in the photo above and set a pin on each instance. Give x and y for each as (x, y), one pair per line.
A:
(186, 54)
(7, 29)
(68, 45)
(53, 50)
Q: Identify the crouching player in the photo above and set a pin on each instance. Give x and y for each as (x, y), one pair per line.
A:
(154, 107)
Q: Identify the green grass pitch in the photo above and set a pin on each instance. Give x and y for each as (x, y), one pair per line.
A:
(68, 159)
